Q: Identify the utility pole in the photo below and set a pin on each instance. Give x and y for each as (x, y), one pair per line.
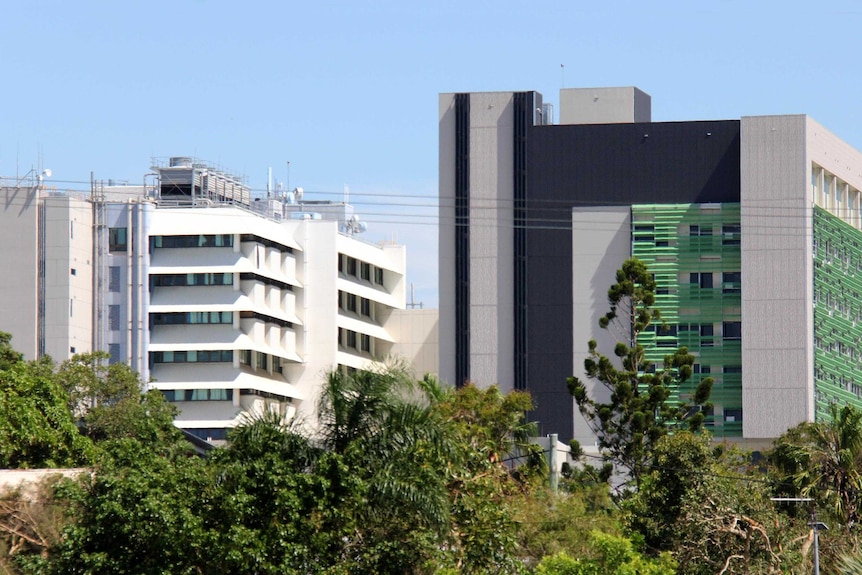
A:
(553, 474)
(814, 524)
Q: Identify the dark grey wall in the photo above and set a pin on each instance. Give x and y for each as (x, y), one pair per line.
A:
(597, 165)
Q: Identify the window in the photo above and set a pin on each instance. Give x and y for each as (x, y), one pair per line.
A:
(72, 349)
(694, 230)
(276, 364)
(365, 271)
(117, 239)
(351, 339)
(340, 263)
(732, 330)
(366, 307)
(731, 282)
(704, 280)
(351, 266)
(378, 276)
(245, 357)
(114, 353)
(366, 343)
(666, 330)
(74, 272)
(701, 369)
(351, 302)
(706, 330)
(730, 234)
(260, 360)
(733, 415)
(114, 317)
(732, 369)
(114, 279)
(644, 233)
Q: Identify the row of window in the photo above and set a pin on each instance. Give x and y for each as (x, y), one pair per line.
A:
(265, 318)
(251, 276)
(731, 281)
(265, 242)
(362, 270)
(194, 279)
(730, 234)
(194, 317)
(118, 240)
(192, 241)
(730, 329)
(192, 356)
(198, 394)
(353, 340)
(349, 302)
(260, 360)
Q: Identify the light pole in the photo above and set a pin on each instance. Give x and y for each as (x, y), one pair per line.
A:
(814, 524)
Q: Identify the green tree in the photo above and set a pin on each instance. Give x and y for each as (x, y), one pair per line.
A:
(36, 427)
(365, 494)
(551, 523)
(607, 555)
(639, 412)
(703, 504)
(495, 466)
(138, 512)
(823, 460)
(110, 404)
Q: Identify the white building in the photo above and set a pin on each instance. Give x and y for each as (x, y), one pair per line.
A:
(229, 306)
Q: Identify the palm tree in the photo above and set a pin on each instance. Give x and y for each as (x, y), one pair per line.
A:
(823, 461)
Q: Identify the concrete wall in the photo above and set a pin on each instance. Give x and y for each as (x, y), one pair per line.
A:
(416, 334)
(777, 276)
(491, 240)
(604, 106)
(19, 259)
(446, 245)
(601, 242)
(68, 276)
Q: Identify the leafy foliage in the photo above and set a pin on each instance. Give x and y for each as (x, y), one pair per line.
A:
(608, 555)
(698, 503)
(109, 403)
(484, 484)
(823, 461)
(36, 428)
(639, 412)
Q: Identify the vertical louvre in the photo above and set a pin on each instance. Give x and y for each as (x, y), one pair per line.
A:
(462, 238)
(523, 110)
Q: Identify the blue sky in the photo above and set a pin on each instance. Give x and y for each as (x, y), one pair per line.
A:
(347, 91)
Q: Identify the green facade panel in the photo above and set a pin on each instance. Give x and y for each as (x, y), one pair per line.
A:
(837, 313)
(694, 252)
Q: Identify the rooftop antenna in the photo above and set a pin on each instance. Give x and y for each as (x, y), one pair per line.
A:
(288, 175)
(268, 182)
(563, 72)
(412, 303)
